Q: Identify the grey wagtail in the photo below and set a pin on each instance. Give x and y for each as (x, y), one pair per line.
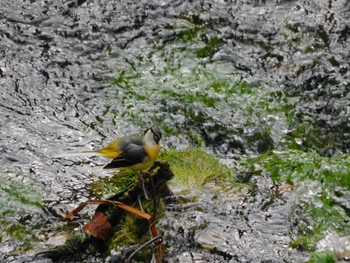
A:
(134, 152)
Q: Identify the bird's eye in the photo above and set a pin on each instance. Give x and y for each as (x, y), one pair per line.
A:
(156, 137)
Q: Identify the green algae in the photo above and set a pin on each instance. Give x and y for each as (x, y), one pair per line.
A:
(319, 208)
(21, 209)
(189, 93)
(294, 166)
(321, 257)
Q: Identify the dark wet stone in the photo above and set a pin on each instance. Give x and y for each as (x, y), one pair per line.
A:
(233, 227)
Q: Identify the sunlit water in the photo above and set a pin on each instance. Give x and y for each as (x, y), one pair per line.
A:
(239, 79)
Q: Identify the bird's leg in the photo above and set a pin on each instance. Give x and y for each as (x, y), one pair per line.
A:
(139, 202)
(154, 198)
(148, 175)
(142, 180)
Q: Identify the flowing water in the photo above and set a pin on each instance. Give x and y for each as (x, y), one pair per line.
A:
(263, 85)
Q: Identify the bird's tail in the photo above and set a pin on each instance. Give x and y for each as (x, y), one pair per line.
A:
(77, 154)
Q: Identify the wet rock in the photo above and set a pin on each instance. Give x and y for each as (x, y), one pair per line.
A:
(71, 74)
(338, 245)
(232, 227)
(57, 240)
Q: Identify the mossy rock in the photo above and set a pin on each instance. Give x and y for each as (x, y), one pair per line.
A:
(194, 167)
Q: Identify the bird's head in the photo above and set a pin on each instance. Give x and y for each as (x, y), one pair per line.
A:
(153, 134)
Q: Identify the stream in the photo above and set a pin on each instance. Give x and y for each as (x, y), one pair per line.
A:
(261, 85)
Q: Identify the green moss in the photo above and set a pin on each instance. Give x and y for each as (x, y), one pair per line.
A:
(317, 218)
(179, 89)
(192, 97)
(18, 192)
(188, 32)
(209, 48)
(109, 186)
(21, 211)
(330, 177)
(196, 138)
(15, 230)
(294, 166)
(133, 229)
(321, 257)
(194, 167)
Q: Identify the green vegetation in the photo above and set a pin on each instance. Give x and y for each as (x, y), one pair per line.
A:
(187, 90)
(295, 166)
(194, 167)
(321, 257)
(19, 201)
(133, 229)
(326, 179)
(185, 97)
(181, 88)
(184, 89)
(109, 186)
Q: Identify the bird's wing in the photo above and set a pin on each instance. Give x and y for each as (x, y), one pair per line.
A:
(132, 152)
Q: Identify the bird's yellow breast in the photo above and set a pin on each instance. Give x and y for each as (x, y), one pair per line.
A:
(141, 166)
(152, 152)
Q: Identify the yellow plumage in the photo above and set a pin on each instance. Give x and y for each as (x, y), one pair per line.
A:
(112, 150)
(134, 152)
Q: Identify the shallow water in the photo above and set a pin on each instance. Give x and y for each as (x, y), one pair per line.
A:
(239, 78)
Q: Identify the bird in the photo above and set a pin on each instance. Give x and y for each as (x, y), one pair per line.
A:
(134, 152)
